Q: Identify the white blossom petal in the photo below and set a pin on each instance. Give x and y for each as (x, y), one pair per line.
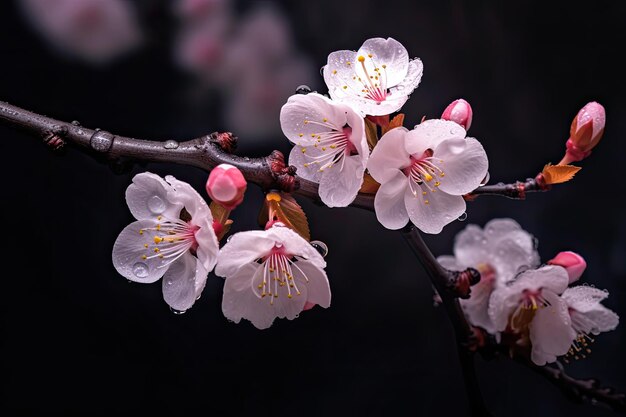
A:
(477, 306)
(431, 212)
(551, 334)
(183, 282)
(185, 194)
(411, 80)
(430, 133)
(389, 156)
(241, 302)
(550, 277)
(301, 161)
(450, 263)
(131, 257)
(304, 116)
(340, 75)
(241, 249)
(464, 163)
(388, 52)
(503, 302)
(471, 246)
(147, 197)
(318, 288)
(340, 184)
(588, 315)
(389, 202)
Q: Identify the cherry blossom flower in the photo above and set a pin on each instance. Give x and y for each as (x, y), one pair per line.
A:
(532, 307)
(269, 274)
(376, 80)
(499, 252)
(424, 173)
(331, 146)
(94, 30)
(172, 238)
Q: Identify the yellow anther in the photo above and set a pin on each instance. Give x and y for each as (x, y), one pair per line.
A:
(361, 58)
(158, 227)
(324, 120)
(298, 293)
(157, 250)
(333, 146)
(159, 217)
(145, 245)
(334, 72)
(303, 150)
(161, 255)
(273, 197)
(437, 183)
(289, 296)
(313, 135)
(272, 269)
(306, 164)
(384, 66)
(424, 193)
(428, 177)
(301, 134)
(306, 122)
(158, 239)
(345, 87)
(426, 202)
(323, 148)
(141, 231)
(348, 63)
(369, 55)
(144, 257)
(442, 174)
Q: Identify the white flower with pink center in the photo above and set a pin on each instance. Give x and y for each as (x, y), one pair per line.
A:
(172, 238)
(331, 146)
(499, 252)
(531, 306)
(424, 174)
(376, 80)
(269, 274)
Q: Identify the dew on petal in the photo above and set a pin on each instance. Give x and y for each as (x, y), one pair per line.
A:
(177, 312)
(320, 246)
(462, 217)
(140, 270)
(156, 204)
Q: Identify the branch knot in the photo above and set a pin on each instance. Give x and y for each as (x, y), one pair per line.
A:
(284, 175)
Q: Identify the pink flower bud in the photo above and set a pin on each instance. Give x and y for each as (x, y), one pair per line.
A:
(226, 186)
(459, 111)
(586, 131)
(572, 262)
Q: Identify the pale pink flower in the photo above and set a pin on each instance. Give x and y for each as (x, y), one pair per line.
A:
(376, 80)
(499, 252)
(94, 30)
(166, 241)
(424, 174)
(271, 274)
(531, 304)
(331, 146)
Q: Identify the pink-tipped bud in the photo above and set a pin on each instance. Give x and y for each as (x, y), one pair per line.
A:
(226, 186)
(586, 131)
(573, 263)
(459, 111)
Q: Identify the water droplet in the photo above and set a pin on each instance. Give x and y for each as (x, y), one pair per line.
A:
(156, 204)
(462, 217)
(320, 246)
(245, 158)
(303, 89)
(322, 70)
(170, 144)
(140, 270)
(278, 244)
(169, 282)
(485, 180)
(177, 312)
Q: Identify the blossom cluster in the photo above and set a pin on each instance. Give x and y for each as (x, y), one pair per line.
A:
(423, 173)
(522, 301)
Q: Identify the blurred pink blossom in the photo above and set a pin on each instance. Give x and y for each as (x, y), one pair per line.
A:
(93, 30)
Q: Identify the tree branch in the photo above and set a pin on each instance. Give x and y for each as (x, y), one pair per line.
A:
(270, 172)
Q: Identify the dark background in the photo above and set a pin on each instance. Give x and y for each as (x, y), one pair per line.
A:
(78, 339)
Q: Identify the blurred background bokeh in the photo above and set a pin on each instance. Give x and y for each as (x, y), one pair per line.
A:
(78, 339)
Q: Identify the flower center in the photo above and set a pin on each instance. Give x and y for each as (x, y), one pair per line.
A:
(278, 278)
(171, 238)
(375, 83)
(331, 146)
(528, 305)
(424, 176)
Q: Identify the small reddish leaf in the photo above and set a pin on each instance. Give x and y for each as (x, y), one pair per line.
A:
(284, 208)
(557, 174)
(370, 186)
(371, 133)
(395, 122)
